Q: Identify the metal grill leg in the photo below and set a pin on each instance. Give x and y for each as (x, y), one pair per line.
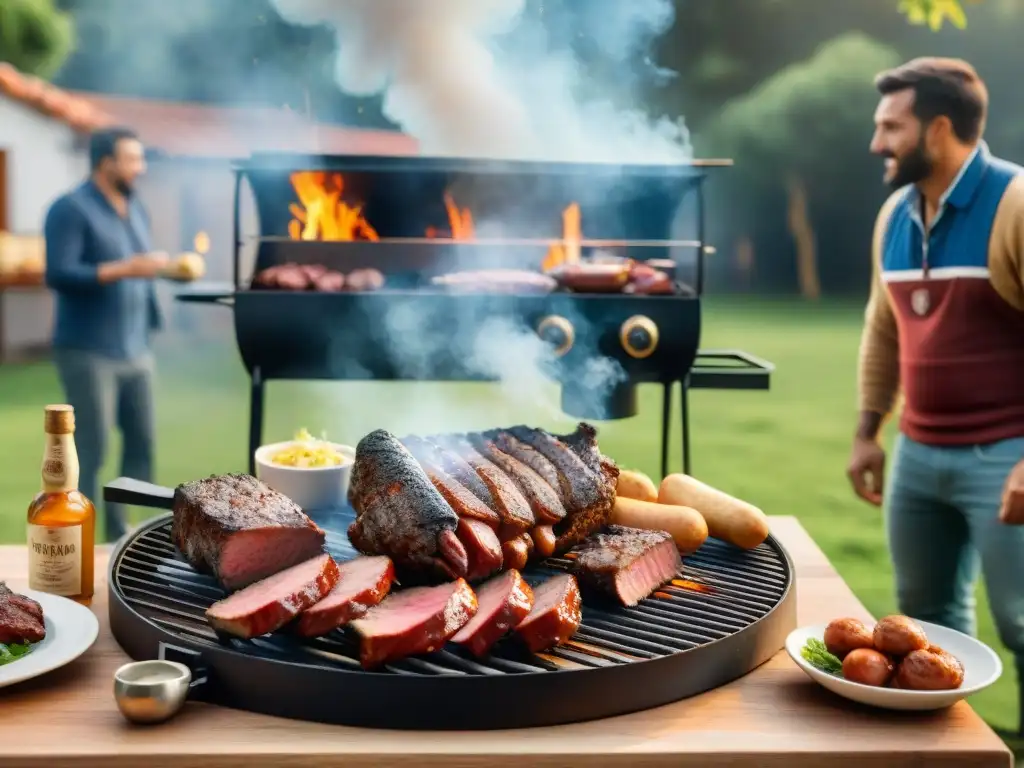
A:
(666, 419)
(684, 403)
(255, 416)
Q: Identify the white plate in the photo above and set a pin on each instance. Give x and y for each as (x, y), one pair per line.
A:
(982, 667)
(71, 629)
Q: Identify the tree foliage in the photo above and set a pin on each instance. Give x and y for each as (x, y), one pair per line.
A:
(935, 13)
(35, 36)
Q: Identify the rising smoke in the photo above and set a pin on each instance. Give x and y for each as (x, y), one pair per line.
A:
(453, 76)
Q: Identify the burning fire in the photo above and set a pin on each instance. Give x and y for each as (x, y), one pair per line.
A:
(459, 219)
(322, 214)
(568, 251)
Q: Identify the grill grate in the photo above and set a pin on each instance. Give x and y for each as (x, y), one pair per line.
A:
(720, 591)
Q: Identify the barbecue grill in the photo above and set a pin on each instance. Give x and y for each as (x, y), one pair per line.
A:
(728, 612)
(649, 213)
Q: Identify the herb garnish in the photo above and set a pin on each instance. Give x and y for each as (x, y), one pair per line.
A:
(13, 652)
(816, 654)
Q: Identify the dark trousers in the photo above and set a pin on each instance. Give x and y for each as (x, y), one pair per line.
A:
(106, 392)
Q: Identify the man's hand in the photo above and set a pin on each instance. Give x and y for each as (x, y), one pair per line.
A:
(867, 470)
(148, 265)
(1012, 511)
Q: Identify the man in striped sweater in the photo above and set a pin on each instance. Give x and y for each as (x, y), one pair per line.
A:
(945, 323)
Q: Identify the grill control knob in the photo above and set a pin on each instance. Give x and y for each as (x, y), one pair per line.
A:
(639, 336)
(558, 332)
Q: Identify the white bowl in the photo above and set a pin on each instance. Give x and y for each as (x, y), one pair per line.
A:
(982, 667)
(312, 488)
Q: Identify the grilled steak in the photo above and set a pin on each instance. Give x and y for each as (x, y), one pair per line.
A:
(461, 499)
(362, 583)
(503, 602)
(482, 548)
(271, 603)
(414, 621)
(529, 456)
(509, 503)
(239, 530)
(545, 504)
(587, 479)
(627, 563)
(399, 512)
(21, 618)
(452, 464)
(555, 616)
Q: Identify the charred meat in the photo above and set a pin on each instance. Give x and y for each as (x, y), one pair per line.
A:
(627, 563)
(414, 621)
(21, 618)
(399, 512)
(362, 583)
(483, 549)
(556, 614)
(457, 493)
(269, 604)
(545, 504)
(503, 602)
(239, 530)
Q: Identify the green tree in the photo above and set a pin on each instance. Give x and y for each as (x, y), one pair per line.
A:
(35, 36)
(797, 133)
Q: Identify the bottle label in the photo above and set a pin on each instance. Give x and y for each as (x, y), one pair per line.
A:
(60, 464)
(55, 559)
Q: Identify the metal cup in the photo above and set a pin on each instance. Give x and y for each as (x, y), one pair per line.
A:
(151, 691)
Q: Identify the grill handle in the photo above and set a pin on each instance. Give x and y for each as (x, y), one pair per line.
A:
(138, 493)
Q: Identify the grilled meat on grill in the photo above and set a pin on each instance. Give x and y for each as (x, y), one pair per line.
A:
(454, 465)
(21, 618)
(586, 477)
(239, 530)
(414, 621)
(457, 494)
(509, 503)
(546, 505)
(399, 512)
(482, 548)
(503, 602)
(627, 563)
(555, 616)
(529, 456)
(269, 604)
(362, 583)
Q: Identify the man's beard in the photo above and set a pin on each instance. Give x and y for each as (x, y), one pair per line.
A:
(912, 168)
(124, 187)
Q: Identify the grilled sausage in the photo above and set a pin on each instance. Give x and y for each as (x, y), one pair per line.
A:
(365, 280)
(845, 635)
(515, 554)
(899, 635)
(930, 669)
(292, 277)
(330, 282)
(543, 540)
(592, 278)
(867, 667)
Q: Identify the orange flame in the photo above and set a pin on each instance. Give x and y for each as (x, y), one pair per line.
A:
(460, 220)
(568, 251)
(322, 214)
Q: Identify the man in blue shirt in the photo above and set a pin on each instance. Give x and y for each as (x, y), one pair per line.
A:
(101, 267)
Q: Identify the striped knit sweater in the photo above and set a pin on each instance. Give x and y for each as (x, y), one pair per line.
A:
(945, 319)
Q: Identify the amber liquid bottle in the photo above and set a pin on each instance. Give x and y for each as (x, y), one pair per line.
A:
(61, 520)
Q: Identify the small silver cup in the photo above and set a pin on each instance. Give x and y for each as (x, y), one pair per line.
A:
(151, 691)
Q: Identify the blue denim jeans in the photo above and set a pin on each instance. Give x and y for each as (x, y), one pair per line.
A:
(942, 520)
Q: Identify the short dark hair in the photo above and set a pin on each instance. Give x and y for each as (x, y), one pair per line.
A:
(942, 87)
(103, 143)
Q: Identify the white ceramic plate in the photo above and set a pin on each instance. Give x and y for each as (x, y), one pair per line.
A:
(71, 629)
(982, 667)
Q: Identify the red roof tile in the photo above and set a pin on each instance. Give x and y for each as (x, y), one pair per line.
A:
(199, 130)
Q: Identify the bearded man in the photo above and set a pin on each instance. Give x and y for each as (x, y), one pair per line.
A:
(100, 266)
(945, 321)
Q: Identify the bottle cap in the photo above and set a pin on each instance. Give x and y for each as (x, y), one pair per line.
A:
(59, 420)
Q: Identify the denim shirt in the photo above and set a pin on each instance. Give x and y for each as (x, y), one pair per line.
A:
(83, 231)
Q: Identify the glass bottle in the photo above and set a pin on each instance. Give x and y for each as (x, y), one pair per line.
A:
(61, 520)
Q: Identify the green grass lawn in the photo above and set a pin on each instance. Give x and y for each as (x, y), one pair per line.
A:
(784, 450)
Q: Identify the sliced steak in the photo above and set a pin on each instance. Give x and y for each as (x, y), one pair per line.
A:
(268, 605)
(482, 548)
(413, 621)
(459, 497)
(627, 563)
(555, 616)
(239, 530)
(546, 505)
(529, 456)
(504, 602)
(21, 618)
(509, 503)
(362, 583)
(399, 511)
(452, 464)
